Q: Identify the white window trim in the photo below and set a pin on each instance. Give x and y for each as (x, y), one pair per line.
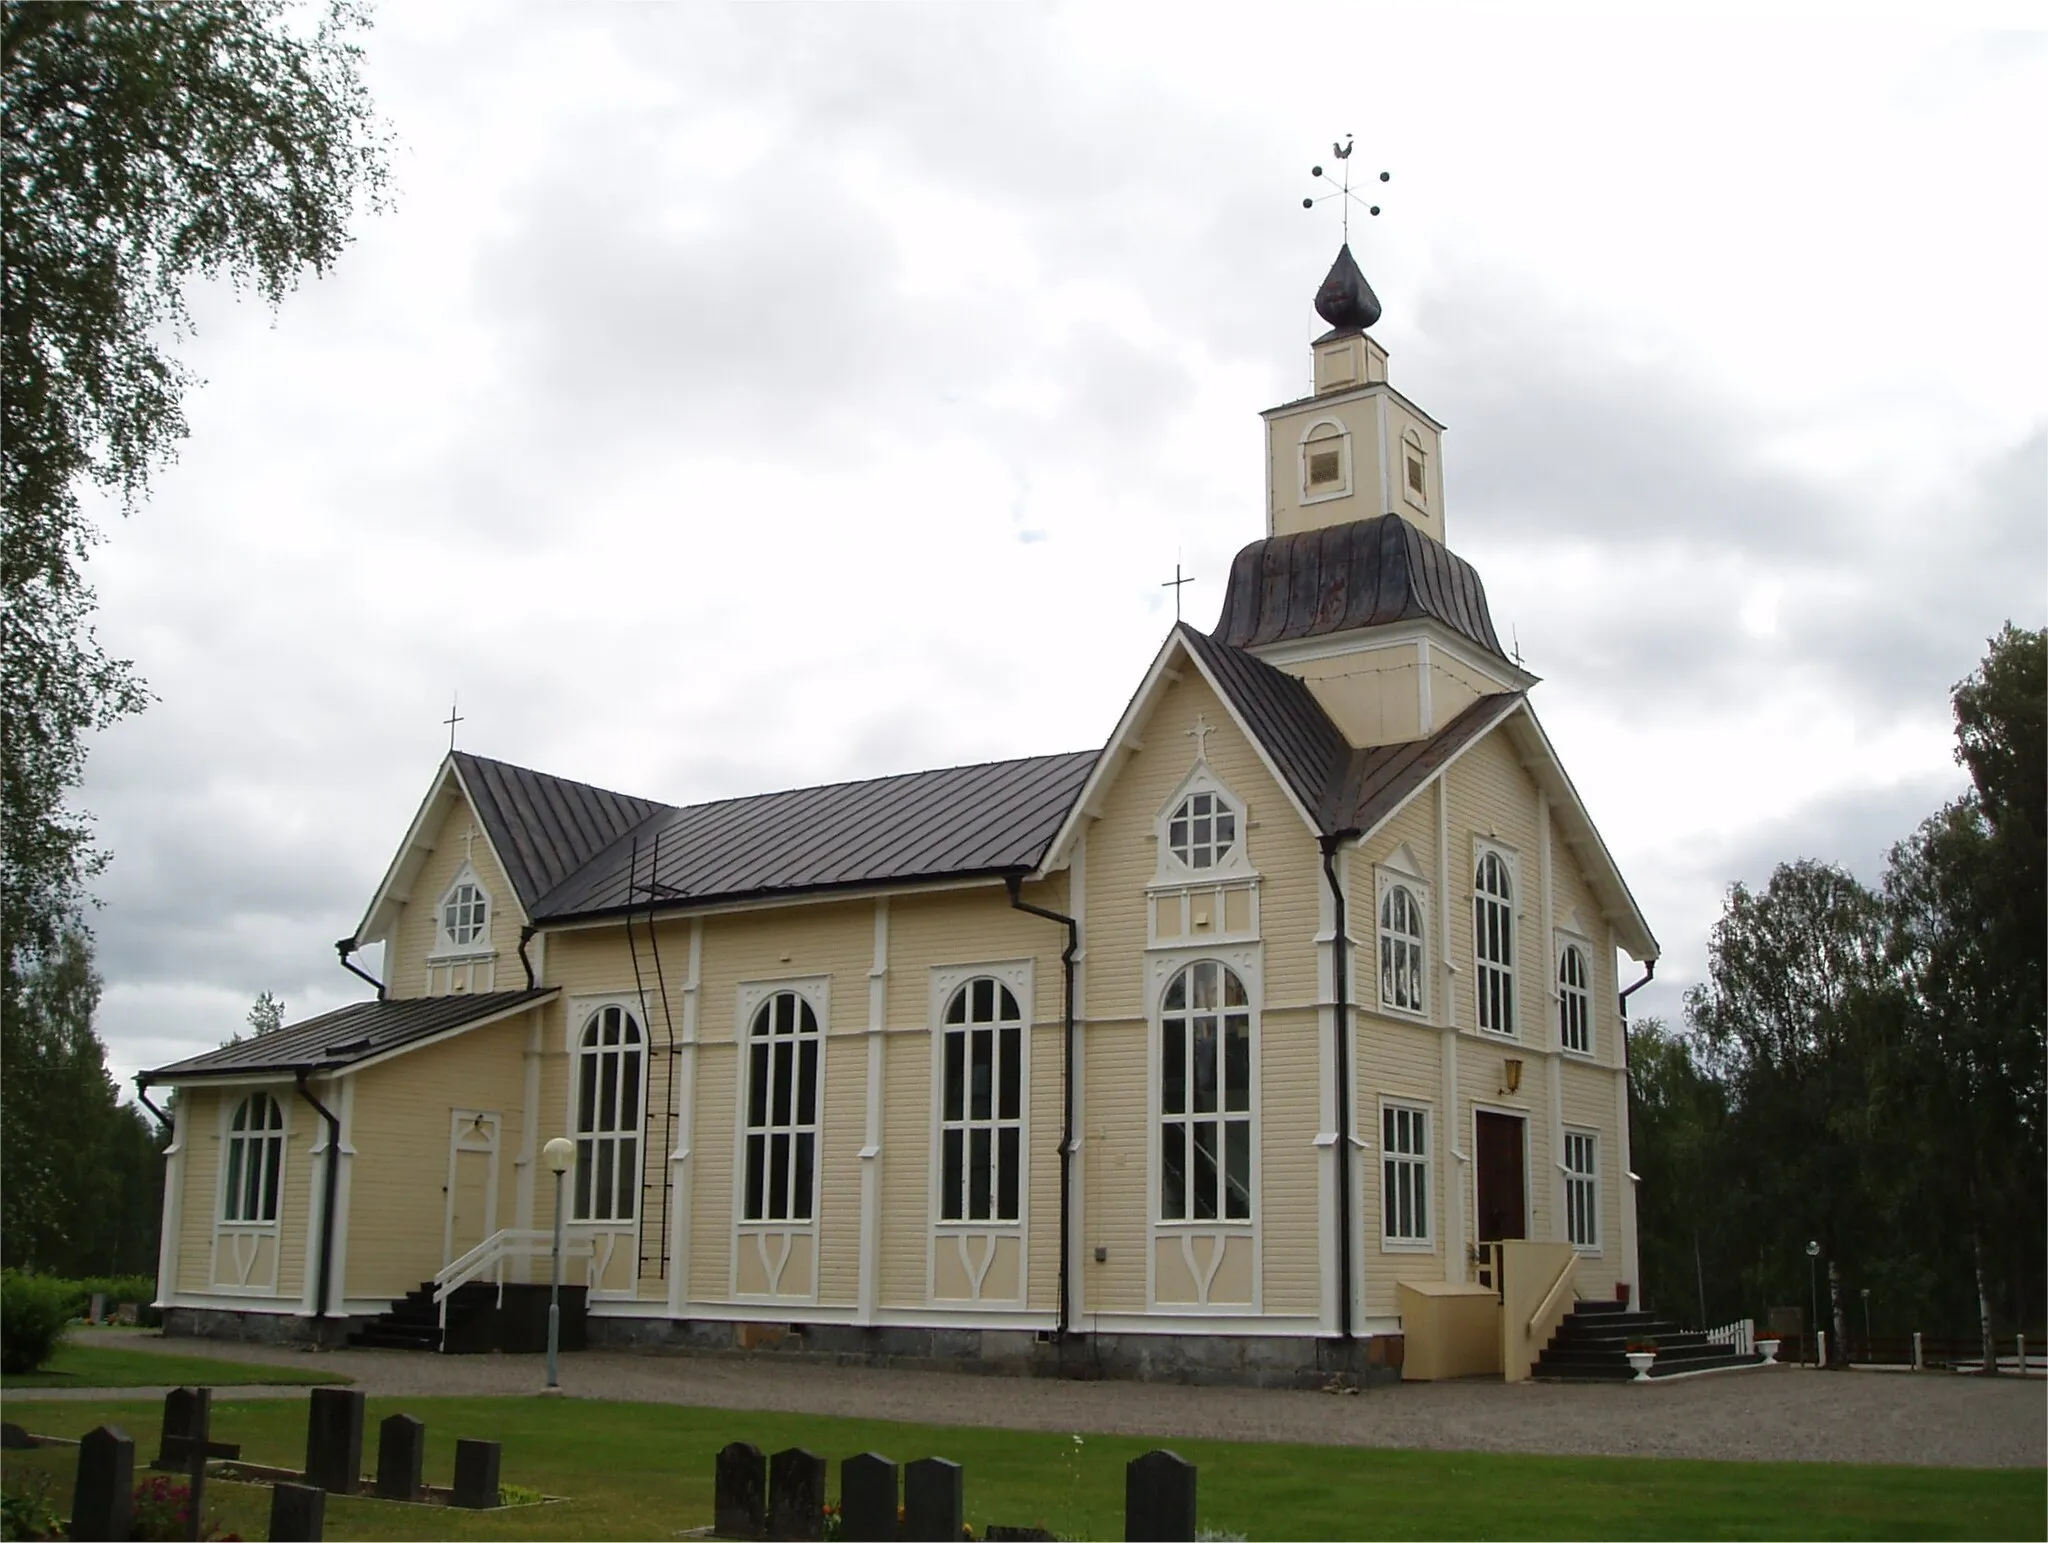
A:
(1567, 939)
(1386, 878)
(1016, 974)
(1426, 1244)
(581, 1011)
(1345, 460)
(446, 950)
(1412, 442)
(1597, 1248)
(1170, 872)
(1482, 846)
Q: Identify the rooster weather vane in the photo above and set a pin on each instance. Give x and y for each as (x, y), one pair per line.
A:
(1343, 189)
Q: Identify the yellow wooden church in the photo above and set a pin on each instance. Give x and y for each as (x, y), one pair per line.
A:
(1241, 1049)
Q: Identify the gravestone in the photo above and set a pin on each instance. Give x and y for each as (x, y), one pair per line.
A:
(867, 1499)
(128, 1314)
(103, 1497)
(96, 1307)
(476, 1474)
(197, 1450)
(298, 1512)
(401, 1457)
(739, 1506)
(796, 1495)
(15, 1438)
(934, 1500)
(174, 1438)
(334, 1440)
(1159, 1499)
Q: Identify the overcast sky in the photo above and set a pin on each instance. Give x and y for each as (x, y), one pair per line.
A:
(736, 399)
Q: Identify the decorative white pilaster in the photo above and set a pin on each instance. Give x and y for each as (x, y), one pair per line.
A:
(683, 1080)
(871, 1145)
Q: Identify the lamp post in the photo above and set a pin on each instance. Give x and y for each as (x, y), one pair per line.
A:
(561, 1157)
(1812, 1293)
(1866, 1324)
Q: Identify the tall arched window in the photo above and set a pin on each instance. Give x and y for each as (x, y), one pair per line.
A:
(783, 1046)
(1401, 949)
(609, 1062)
(1205, 1096)
(1574, 1001)
(1493, 943)
(981, 1104)
(255, 1160)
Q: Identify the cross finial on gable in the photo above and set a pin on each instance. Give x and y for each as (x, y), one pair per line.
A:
(469, 843)
(1200, 735)
(450, 721)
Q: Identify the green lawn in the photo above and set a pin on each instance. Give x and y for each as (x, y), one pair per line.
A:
(78, 1365)
(644, 1471)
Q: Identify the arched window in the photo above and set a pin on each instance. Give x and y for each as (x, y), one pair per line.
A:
(609, 1062)
(1205, 1096)
(782, 1110)
(465, 914)
(1401, 949)
(1325, 461)
(1574, 1001)
(1202, 831)
(981, 1104)
(1414, 469)
(1493, 943)
(255, 1160)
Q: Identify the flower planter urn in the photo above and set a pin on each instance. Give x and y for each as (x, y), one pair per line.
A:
(1768, 1349)
(1642, 1361)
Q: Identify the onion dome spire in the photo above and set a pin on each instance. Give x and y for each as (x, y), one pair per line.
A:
(1346, 301)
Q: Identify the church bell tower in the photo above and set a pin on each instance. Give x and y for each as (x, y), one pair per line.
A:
(1356, 448)
(1353, 589)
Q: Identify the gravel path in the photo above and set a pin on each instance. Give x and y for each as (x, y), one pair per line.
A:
(1775, 1414)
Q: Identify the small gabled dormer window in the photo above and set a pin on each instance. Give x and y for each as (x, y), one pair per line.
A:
(465, 915)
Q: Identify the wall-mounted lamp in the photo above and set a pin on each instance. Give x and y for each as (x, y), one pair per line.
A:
(1511, 1069)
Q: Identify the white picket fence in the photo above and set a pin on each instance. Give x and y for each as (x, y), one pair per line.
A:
(1739, 1336)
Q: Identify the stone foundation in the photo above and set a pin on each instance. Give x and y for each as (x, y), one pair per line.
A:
(259, 1328)
(1210, 1360)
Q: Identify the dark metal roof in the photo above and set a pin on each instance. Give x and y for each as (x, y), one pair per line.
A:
(1378, 779)
(965, 820)
(1283, 715)
(347, 1035)
(1367, 573)
(545, 828)
(1344, 788)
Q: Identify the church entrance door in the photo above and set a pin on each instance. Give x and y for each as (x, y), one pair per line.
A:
(1503, 1188)
(472, 1187)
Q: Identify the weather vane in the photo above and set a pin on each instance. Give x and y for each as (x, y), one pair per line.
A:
(1343, 189)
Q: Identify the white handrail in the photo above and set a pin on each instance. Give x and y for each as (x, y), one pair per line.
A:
(491, 1254)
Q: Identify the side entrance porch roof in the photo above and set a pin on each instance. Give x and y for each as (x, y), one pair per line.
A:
(349, 1036)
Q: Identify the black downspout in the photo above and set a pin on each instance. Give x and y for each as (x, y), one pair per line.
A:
(1016, 886)
(333, 1179)
(1341, 982)
(348, 946)
(142, 1094)
(525, 937)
